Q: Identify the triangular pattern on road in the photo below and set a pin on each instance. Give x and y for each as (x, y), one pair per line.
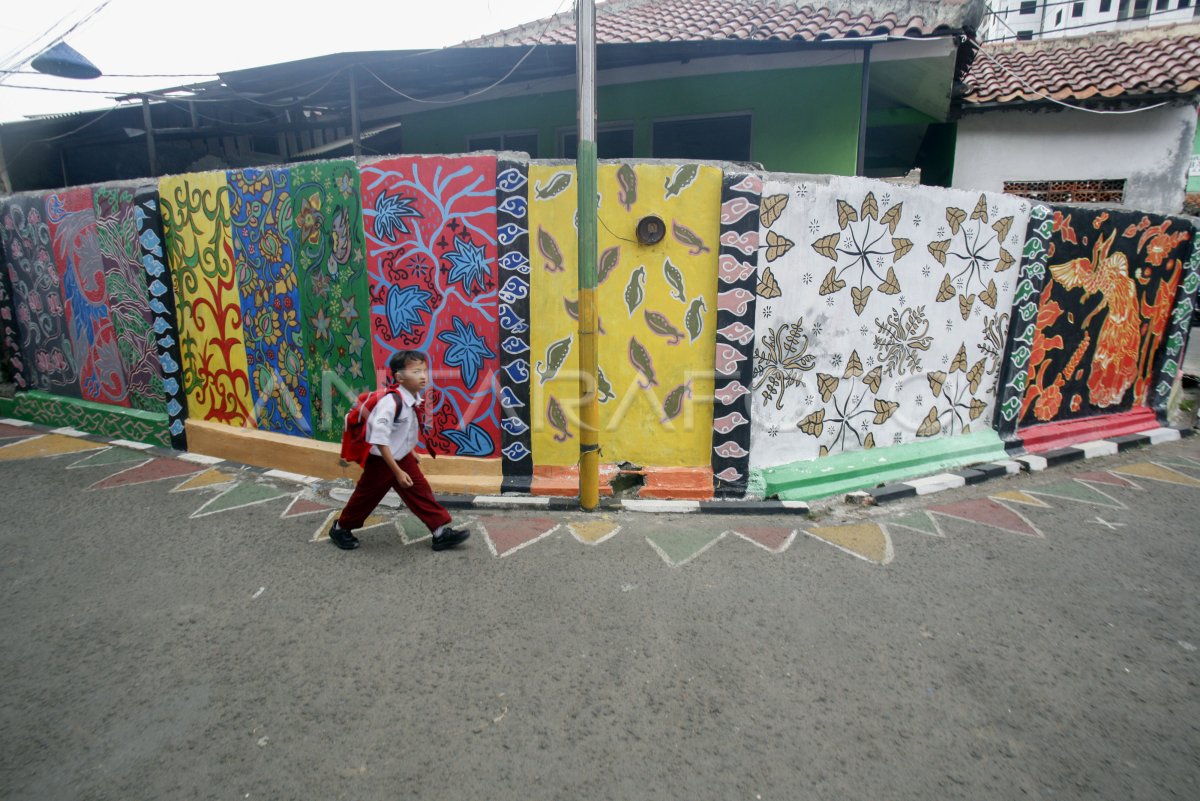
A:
(1106, 478)
(1157, 472)
(680, 547)
(153, 470)
(987, 512)
(109, 456)
(593, 532)
(917, 521)
(46, 445)
(505, 535)
(1179, 461)
(8, 431)
(774, 539)
(209, 479)
(302, 506)
(239, 496)
(372, 521)
(1079, 492)
(868, 541)
(412, 530)
(1017, 496)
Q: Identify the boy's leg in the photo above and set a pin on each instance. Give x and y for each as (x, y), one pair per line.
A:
(374, 483)
(419, 497)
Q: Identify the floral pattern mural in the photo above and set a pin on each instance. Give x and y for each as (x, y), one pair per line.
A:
(881, 314)
(431, 259)
(330, 258)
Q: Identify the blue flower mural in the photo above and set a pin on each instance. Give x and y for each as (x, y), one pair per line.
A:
(467, 350)
(468, 265)
(404, 307)
(390, 214)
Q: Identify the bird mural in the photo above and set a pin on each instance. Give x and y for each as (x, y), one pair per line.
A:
(1115, 364)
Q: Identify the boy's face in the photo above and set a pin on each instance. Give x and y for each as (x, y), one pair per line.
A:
(413, 376)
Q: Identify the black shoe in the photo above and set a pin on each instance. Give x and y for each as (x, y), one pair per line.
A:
(449, 538)
(342, 538)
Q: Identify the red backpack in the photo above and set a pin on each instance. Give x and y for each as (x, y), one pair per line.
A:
(355, 447)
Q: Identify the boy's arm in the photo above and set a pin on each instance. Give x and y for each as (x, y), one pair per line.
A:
(404, 479)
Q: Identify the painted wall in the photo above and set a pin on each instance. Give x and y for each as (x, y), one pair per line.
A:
(791, 335)
(881, 315)
(1154, 147)
(656, 306)
(786, 134)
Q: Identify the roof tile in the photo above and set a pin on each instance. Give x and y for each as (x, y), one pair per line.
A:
(1166, 62)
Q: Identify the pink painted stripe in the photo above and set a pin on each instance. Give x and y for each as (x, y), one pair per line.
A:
(1048, 436)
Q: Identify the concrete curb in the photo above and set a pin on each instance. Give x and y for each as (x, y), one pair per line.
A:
(1029, 463)
(927, 485)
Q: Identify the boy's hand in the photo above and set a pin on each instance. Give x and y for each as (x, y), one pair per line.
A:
(404, 479)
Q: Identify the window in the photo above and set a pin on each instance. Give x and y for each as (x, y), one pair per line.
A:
(1029, 7)
(1095, 191)
(1105, 6)
(611, 143)
(717, 138)
(1185, 3)
(1025, 36)
(1077, 10)
(523, 141)
(1058, 18)
(1141, 8)
(1162, 5)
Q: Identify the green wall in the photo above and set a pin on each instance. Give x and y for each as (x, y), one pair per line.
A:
(804, 120)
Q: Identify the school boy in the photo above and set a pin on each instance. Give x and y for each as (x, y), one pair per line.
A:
(392, 430)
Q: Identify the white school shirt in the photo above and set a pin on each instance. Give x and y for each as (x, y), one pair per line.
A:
(397, 431)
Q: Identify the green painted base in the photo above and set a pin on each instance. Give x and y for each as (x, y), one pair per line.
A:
(94, 418)
(847, 472)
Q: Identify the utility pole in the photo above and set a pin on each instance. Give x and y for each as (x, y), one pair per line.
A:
(585, 171)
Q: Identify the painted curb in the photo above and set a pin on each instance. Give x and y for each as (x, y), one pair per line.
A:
(1034, 463)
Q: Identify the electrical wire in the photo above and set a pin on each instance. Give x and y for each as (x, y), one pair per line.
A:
(60, 37)
(128, 75)
(549, 21)
(980, 51)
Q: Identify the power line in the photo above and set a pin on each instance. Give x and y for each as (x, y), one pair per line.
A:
(58, 38)
(128, 75)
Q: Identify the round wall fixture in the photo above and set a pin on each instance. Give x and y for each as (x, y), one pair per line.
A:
(651, 230)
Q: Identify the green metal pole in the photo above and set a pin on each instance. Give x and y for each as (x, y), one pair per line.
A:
(585, 170)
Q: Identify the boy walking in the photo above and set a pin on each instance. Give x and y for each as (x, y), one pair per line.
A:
(392, 430)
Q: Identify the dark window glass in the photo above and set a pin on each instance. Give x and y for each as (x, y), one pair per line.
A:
(1025, 36)
(1105, 6)
(1029, 7)
(484, 143)
(526, 143)
(615, 143)
(1077, 10)
(725, 138)
(1162, 5)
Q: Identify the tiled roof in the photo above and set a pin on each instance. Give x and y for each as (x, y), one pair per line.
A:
(1150, 63)
(638, 21)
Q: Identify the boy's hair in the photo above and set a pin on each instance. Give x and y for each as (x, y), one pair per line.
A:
(403, 358)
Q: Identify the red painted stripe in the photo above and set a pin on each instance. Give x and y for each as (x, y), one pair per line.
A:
(1048, 436)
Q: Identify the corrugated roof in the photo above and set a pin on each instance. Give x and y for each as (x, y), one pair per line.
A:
(642, 21)
(1153, 63)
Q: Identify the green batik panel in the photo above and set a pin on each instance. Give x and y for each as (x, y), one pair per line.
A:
(330, 258)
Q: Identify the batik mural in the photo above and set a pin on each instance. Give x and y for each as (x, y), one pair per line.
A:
(47, 357)
(656, 308)
(737, 282)
(11, 363)
(72, 219)
(260, 209)
(1170, 361)
(128, 302)
(162, 306)
(513, 234)
(1102, 314)
(431, 258)
(330, 258)
(196, 224)
(881, 317)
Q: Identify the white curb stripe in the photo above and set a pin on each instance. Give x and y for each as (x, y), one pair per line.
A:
(1160, 435)
(296, 477)
(126, 443)
(18, 423)
(1097, 447)
(1032, 463)
(199, 458)
(501, 501)
(931, 484)
(647, 505)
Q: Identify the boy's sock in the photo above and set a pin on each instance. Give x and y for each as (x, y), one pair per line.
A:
(437, 532)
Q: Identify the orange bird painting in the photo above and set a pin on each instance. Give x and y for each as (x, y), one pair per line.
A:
(1115, 364)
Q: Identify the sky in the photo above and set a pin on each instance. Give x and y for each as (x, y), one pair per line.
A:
(166, 39)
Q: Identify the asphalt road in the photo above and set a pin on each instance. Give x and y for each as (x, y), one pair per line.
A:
(149, 654)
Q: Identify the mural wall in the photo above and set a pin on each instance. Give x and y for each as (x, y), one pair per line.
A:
(656, 306)
(431, 261)
(781, 323)
(881, 314)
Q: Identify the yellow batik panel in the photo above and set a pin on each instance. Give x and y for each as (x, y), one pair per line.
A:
(657, 308)
(196, 223)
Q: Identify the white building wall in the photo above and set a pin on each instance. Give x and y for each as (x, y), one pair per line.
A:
(1150, 150)
(1056, 18)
